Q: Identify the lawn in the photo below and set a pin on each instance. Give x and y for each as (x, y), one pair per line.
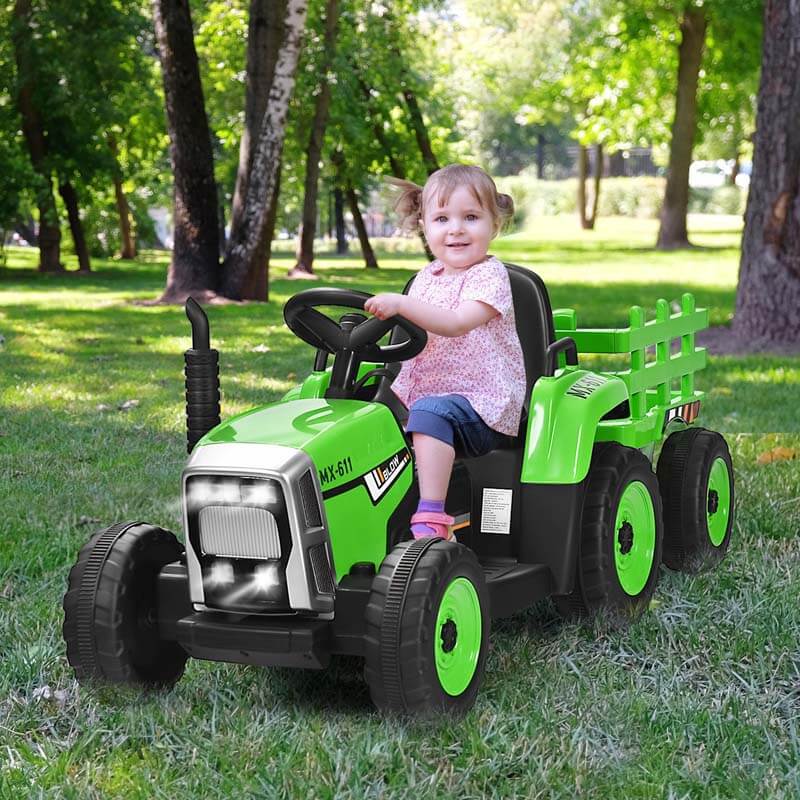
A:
(699, 698)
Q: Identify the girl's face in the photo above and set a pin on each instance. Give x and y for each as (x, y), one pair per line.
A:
(458, 232)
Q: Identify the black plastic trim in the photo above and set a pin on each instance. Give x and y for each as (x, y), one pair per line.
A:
(568, 347)
(514, 587)
(552, 517)
(172, 592)
(290, 641)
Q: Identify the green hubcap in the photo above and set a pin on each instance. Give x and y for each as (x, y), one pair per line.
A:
(634, 538)
(718, 502)
(458, 636)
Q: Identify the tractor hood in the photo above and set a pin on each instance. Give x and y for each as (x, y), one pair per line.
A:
(344, 438)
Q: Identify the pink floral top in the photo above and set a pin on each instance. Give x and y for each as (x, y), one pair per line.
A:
(485, 365)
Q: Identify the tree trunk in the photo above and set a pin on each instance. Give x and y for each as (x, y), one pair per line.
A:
(598, 176)
(194, 267)
(264, 37)
(414, 113)
(27, 230)
(583, 171)
(70, 198)
(736, 168)
(768, 296)
(420, 131)
(308, 229)
(221, 221)
(49, 231)
(257, 286)
(361, 229)
(127, 249)
(616, 166)
(540, 143)
(338, 210)
(127, 242)
(672, 233)
(246, 237)
(49, 236)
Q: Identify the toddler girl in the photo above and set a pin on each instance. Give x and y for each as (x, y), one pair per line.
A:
(466, 388)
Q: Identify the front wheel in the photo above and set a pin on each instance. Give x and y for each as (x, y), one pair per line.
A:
(111, 608)
(621, 536)
(427, 629)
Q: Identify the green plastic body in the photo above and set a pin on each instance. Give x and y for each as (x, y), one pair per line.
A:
(658, 385)
(316, 384)
(346, 440)
(562, 423)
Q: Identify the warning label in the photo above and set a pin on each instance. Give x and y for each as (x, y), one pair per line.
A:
(496, 511)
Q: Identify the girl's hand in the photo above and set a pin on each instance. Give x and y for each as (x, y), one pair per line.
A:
(385, 305)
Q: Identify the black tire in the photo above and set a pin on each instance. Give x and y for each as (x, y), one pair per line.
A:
(684, 471)
(110, 608)
(598, 582)
(401, 626)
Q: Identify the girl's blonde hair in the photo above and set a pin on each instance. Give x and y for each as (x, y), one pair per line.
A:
(412, 200)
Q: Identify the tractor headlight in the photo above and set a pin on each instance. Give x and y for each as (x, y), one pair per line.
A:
(239, 529)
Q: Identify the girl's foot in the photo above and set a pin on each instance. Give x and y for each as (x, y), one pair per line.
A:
(432, 523)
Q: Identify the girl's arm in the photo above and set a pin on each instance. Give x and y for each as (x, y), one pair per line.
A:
(469, 315)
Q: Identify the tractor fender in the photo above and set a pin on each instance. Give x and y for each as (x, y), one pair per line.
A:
(562, 421)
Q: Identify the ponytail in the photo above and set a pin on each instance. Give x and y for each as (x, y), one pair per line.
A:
(408, 204)
(505, 210)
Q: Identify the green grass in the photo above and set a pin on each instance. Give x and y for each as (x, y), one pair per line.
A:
(697, 699)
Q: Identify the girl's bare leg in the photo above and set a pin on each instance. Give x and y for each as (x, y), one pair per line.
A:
(434, 465)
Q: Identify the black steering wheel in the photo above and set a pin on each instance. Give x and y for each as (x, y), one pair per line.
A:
(320, 331)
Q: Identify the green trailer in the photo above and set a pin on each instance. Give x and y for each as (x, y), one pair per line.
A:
(296, 545)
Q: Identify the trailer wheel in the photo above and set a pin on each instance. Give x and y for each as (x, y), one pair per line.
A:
(695, 474)
(110, 608)
(427, 629)
(621, 536)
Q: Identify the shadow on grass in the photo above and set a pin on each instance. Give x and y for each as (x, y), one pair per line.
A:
(340, 688)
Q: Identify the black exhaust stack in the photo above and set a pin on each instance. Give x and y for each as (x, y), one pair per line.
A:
(202, 378)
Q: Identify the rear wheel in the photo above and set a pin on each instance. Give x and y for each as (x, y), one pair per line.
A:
(695, 475)
(621, 535)
(427, 629)
(111, 608)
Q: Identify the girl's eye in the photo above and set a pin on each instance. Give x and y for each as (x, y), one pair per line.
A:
(441, 218)
(471, 217)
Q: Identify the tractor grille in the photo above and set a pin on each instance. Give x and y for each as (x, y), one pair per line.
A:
(321, 569)
(239, 532)
(310, 502)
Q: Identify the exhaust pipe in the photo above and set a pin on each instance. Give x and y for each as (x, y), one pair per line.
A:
(202, 378)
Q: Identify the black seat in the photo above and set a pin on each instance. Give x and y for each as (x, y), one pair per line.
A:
(534, 319)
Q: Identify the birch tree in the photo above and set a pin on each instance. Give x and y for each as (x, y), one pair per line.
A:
(244, 242)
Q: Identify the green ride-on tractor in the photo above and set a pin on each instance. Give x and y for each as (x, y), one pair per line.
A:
(296, 514)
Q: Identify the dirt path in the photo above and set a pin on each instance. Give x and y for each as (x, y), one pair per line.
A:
(721, 341)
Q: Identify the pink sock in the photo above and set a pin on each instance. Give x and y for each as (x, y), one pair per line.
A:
(420, 528)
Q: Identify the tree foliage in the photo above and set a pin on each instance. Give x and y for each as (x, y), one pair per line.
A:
(413, 84)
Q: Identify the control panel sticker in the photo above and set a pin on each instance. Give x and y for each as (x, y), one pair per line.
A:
(496, 511)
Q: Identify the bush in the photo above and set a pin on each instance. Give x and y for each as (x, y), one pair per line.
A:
(533, 197)
(624, 197)
(631, 197)
(724, 200)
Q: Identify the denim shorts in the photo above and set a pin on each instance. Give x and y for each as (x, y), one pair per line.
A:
(452, 419)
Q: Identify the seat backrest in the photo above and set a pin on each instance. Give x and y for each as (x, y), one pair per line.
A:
(534, 318)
